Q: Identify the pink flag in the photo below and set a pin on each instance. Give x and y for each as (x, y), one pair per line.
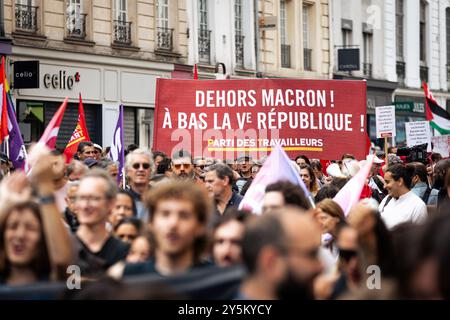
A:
(350, 194)
(51, 132)
(277, 167)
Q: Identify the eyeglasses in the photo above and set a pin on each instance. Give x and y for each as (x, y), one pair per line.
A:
(201, 166)
(88, 199)
(144, 165)
(184, 165)
(347, 255)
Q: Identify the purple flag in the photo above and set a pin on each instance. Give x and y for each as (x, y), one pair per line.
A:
(117, 152)
(17, 151)
(277, 167)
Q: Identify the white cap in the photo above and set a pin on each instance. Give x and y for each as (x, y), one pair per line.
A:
(375, 159)
(97, 146)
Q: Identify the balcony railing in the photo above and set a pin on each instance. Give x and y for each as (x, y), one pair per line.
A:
(285, 56)
(307, 59)
(401, 72)
(424, 74)
(367, 69)
(76, 25)
(164, 38)
(26, 18)
(239, 46)
(122, 32)
(204, 45)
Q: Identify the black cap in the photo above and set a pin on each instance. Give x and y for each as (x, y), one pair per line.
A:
(90, 162)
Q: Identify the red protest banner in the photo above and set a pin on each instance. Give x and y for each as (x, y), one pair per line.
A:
(223, 119)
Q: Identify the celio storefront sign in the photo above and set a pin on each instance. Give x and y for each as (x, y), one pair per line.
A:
(61, 80)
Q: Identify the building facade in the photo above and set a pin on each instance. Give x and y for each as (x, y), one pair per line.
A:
(401, 44)
(110, 51)
(296, 41)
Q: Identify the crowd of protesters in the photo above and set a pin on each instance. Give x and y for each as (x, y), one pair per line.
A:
(176, 214)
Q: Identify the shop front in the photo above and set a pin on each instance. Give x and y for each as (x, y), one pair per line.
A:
(104, 84)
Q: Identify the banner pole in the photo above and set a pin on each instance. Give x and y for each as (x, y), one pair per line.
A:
(123, 179)
(386, 150)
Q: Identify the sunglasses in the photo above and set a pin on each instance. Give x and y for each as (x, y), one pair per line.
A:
(137, 165)
(184, 165)
(347, 255)
(201, 166)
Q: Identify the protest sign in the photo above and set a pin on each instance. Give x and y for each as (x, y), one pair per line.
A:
(417, 132)
(224, 119)
(441, 144)
(385, 121)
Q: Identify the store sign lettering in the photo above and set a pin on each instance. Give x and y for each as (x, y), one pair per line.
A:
(61, 80)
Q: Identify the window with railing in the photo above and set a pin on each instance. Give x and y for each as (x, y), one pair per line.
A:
(448, 75)
(204, 45)
(423, 74)
(307, 51)
(401, 72)
(423, 32)
(284, 48)
(285, 56)
(26, 18)
(307, 59)
(121, 25)
(164, 34)
(204, 35)
(164, 38)
(75, 20)
(367, 54)
(239, 38)
(122, 32)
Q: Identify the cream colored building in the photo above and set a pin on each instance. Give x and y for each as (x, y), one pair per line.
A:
(296, 40)
(112, 51)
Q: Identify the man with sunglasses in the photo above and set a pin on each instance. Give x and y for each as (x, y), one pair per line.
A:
(348, 266)
(138, 166)
(182, 165)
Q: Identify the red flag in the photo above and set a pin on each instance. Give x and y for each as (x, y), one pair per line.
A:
(3, 106)
(195, 72)
(51, 132)
(79, 134)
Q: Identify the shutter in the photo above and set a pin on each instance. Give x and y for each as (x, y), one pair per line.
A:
(129, 126)
(70, 119)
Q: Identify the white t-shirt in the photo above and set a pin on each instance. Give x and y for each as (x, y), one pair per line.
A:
(407, 208)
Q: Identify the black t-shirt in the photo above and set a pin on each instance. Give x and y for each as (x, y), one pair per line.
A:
(113, 251)
(149, 267)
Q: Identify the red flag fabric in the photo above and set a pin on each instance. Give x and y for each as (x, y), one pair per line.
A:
(195, 72)
(51, 132)
(3, 106)
(79, 134)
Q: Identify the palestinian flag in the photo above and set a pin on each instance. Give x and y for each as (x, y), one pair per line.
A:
(439, 118)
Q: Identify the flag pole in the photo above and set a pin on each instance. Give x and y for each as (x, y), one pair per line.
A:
(123, 179)
(7, 151)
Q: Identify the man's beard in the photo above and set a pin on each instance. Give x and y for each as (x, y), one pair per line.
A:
(292, 288)
(185, 175)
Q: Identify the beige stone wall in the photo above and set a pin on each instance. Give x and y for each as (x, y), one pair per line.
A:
(270, 42)
(52, 33)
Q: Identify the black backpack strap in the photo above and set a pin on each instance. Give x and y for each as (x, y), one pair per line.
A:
(426, 195)
(389, 198)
